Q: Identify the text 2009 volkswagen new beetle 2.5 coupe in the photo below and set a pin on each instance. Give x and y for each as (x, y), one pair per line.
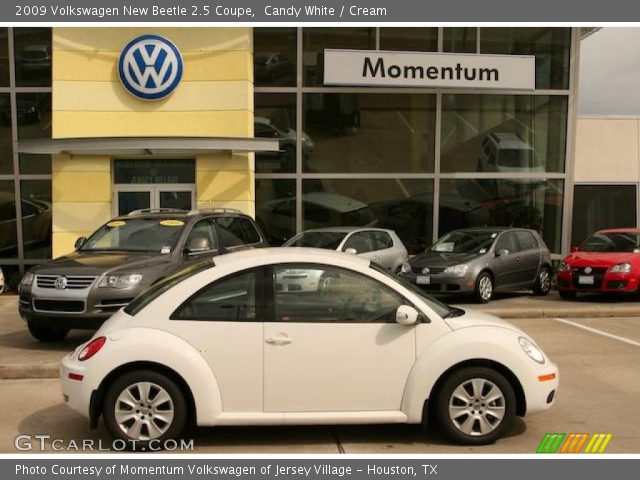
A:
(228, 345)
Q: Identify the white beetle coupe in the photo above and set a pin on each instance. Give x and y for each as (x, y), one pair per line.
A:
(223, 342)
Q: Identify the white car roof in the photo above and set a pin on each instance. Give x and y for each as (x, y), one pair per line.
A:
(265, 256)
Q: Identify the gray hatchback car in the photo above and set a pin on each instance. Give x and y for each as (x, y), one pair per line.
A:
(121, 259)
(482, 261)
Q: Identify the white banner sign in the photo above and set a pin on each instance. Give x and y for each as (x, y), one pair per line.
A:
(421, 69)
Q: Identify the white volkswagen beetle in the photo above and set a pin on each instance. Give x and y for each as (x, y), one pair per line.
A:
(225, 344)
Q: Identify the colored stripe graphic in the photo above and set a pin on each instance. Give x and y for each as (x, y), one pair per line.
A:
(574, 442)
(550, 443)
(598, 443)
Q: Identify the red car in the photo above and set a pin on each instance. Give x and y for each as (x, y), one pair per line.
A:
(608, 261)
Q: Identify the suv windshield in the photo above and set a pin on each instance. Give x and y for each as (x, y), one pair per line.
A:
(612, 242)
(136, 235)
(467, 241)
(327, 240)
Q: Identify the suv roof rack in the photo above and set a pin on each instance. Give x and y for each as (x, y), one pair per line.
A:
(214, 210)
(146, 211)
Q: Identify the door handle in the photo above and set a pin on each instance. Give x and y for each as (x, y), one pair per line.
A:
(279, 340)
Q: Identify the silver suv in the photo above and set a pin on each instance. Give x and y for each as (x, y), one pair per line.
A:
(120, 260)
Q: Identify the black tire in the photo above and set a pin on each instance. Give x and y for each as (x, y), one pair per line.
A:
(542, 286)
(567, 294)
(47, 334)
(459, 378)
(479, 292)
(178, 403)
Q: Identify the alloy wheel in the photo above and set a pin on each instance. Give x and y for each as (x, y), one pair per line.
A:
(144, 411)
(544, 280)
(485, 287)
(477, 407)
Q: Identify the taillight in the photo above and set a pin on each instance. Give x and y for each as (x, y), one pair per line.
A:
(92, 348)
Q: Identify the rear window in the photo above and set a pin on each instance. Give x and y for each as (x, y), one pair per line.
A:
(157, 289)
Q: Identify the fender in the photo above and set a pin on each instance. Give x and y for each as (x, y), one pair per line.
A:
(143, 344)
(497, 344)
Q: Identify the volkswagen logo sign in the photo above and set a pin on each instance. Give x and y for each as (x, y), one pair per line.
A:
(150, 67)
(60, 283)
(587, 270)
(425, 270)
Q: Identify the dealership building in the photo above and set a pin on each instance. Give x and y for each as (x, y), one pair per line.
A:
(422, 130)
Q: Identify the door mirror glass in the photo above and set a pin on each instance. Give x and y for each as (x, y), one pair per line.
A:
(79, 242)
(351, 251)
(198, 244)
(502, 252)
(406, 315)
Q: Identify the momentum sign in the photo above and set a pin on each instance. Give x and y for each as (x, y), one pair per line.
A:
(376, 68)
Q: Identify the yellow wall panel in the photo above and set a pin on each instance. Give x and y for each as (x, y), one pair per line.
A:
(111, 39)
(225, 161)
(189, 97)
(76, 216)
(86, 66)
(63, 242)
(152, 124)
(224, 186)
(80, 163)
(69, 186)
(246, 207)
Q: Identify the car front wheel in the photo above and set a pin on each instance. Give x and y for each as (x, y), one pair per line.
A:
(475, 406)
(144, 406)
(46, 334)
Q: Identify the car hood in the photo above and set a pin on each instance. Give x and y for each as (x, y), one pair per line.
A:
(442, 259)
(474, 318)
(601, 259)
(98, 263)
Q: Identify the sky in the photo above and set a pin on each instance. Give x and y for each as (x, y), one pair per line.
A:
(610, 73)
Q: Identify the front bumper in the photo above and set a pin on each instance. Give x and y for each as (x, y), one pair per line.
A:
(602, 282)
(541, 389)
(443, 283)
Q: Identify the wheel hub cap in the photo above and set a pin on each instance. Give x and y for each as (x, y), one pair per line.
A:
(477, 407)
(144, 411)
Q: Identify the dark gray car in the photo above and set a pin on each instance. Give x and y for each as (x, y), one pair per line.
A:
(121, 259)
(482, 261)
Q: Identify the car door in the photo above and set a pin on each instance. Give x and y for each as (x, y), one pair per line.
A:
(506, 268)
(529, 253)
(362, 242)
(333, 344)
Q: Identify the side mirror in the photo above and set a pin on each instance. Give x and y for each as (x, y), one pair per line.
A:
(79, 242)
(198, 245)
(575, 248)
(351, 251)
(503, 252)
(406, 315)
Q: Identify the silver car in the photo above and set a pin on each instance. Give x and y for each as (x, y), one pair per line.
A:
(379, 245)
(482, 261)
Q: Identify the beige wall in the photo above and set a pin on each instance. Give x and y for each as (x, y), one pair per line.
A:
(607, 149)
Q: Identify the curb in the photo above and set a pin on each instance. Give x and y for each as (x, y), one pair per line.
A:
(582, 312)
(28, 371)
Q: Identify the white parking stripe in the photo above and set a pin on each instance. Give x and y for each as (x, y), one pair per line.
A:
(599, 332)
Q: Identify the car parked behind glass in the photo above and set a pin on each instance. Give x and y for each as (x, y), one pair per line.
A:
(379, 245)
(482, 261)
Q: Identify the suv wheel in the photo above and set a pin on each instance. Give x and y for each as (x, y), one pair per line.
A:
(475, 406)
(484, 287)
(144, 406)
(543, 282)
(47, 334)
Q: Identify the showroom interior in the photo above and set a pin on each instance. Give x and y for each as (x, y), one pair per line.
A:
(418, 160)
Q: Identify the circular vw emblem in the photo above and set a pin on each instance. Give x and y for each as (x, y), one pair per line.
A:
(587, 270)
(150, 67)
(60, 283)
(425, 270)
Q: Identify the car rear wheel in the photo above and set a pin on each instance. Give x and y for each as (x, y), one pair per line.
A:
(484, 287)
(144, 406)
(543, 282)
(475, 406)
(567, 294)
(46, 334)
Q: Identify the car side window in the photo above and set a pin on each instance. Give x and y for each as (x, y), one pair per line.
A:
(235, 231)
(361, 242)
(382, 240)
(326, 294)
(507, 241)
(203, 229)
(231, 299)
(527, 241)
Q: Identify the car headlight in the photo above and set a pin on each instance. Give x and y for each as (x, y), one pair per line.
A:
(405, 268)
(27, 280)
(564, 267)
(531, 349)
(457, 270)
(121, 281)
(620, 268)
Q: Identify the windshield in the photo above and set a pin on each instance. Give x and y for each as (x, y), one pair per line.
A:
(442, 309)
(326, 240)
(467, 241)
(612, 242)
(136, 235)
(157, 289)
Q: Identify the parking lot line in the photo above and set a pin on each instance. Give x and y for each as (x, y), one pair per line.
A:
(599, 332)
